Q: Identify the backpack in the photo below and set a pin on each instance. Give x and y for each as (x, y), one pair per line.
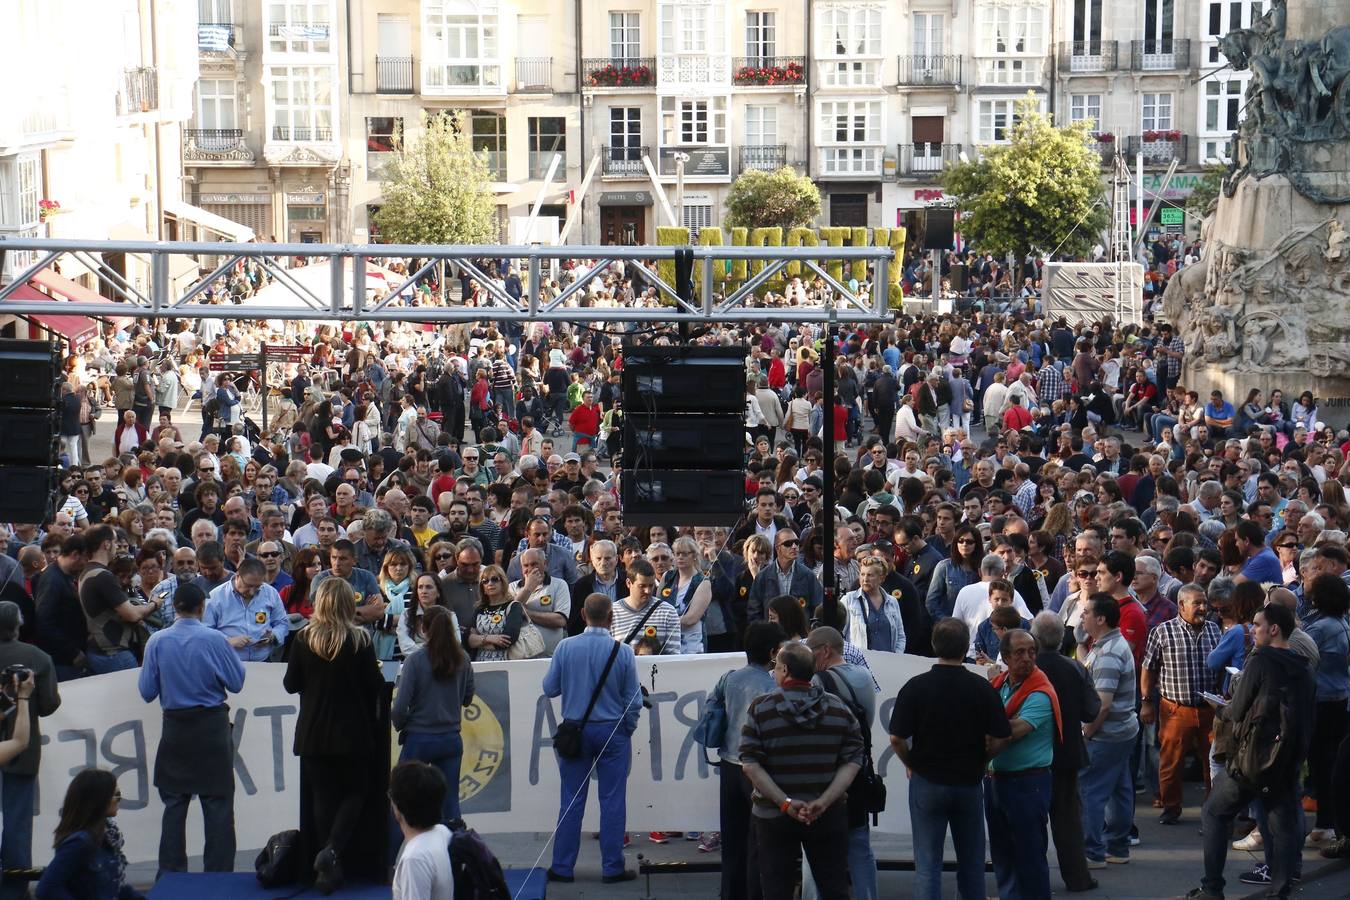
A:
(867, 793)
(478, 874)
(278, 863)
(1267, 745)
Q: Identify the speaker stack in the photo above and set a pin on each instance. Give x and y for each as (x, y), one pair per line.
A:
(684, 435)
(30, 372)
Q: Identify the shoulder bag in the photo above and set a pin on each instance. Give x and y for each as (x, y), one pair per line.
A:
(529, 642)
(867, 793)
(567, 736)
(711, 730)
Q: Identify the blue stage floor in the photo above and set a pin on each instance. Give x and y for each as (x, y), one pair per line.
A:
(244, 886)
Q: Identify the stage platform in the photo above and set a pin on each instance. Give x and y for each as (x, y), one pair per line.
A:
(244, 886)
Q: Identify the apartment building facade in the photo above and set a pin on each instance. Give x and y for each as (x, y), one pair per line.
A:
(300, 104)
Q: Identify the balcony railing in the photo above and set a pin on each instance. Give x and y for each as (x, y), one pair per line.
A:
(217, 37)
(1106, 149)
(1159, 147)
(140, 91)
(215, 145)
(624, 161)
(618, 72)
(849, 162)
(1160, 55)
(768, 71)
(540, 160)
(534, 75)
(918, 160)
(301, 133)
(394, 74)
(928, 70)
(1086, 57)
(763, 157)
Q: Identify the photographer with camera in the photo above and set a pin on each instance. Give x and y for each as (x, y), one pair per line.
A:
(28, 679)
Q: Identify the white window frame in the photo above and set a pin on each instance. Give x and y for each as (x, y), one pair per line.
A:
(302, 27)
(761, 34)
(1012, 30)
(630, 134)
(850, 136)
(1157, 111)
(930, 34)
(1163, 36)
(761, 125)
(848, 46)
(625, 34)
(1086, 106)
(995, 115)
(216, 12)
(694, 122)
(20, 191)
(304, 110)
(217, 103)
(1218, 96)
(461, 46)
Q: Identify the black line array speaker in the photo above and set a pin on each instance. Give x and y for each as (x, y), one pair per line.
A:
(684, 435)
(30, 381)
(940, 232)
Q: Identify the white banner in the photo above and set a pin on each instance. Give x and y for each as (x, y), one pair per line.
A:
(509, 780)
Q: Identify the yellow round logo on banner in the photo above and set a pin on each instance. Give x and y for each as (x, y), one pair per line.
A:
(484, 748)
(260, 618)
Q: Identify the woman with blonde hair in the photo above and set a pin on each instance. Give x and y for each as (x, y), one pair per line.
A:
(332, 667)
(395, 578)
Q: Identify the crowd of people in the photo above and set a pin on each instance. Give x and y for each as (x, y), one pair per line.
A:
(1044, 499)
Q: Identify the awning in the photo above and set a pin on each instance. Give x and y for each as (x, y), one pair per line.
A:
(62, 288)
(222, 226)
(78, 329)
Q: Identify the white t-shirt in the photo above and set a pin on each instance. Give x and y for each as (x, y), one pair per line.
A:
(423, 868)
(972, 607)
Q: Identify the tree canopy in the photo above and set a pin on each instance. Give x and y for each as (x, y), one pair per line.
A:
(437, 190)
(781, 199)
(1036, 192)
(1206, 191)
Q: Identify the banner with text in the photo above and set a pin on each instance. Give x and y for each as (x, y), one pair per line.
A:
(509, 778)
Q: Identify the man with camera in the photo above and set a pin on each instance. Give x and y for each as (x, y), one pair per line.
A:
(25, 671)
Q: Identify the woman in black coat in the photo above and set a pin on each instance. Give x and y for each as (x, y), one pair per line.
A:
(332, 667)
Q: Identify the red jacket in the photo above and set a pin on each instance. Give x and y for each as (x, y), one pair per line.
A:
(585, 419)
(777, 373)
(1016, 418)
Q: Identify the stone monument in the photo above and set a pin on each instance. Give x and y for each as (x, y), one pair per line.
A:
(1269, 306)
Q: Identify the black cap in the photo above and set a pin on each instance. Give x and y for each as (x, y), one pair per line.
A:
(188, 596)
(352, 455)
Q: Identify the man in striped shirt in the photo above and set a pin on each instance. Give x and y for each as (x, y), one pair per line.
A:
(663, 625)
(800, 748)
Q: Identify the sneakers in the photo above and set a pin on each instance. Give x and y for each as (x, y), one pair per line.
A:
(1169, 817)
(1201, 894)
(1096, 863)
(658, 837)
(693, 836)
(1337, 849)
(1250, 843)
(1319, 836)
(1260, 874)
(711, 843)
(1117, 860)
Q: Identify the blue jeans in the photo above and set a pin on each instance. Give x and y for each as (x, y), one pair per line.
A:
(218, 823)
(1107, 791)
(103, 663)
(444, 751)
(593, 440)
(1017, 808)
(612, 758)
(932, 809)
(16, 845)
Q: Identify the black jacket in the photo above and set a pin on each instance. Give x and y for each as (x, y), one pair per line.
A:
(1267, 671)
(1078, 705)
(582, 588)
(339, 699)
(61, 630)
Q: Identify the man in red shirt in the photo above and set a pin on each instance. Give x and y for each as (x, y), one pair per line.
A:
(1114, 574)
(1017, 416)
(1143, 395)
(585, 422)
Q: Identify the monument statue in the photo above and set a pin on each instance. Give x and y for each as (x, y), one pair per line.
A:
(1269, 305)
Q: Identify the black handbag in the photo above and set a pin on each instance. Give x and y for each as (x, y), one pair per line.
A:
(567, 736)
(278, 863)
(867, 793)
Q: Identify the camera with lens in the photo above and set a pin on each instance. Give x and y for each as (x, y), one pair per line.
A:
(9, 679)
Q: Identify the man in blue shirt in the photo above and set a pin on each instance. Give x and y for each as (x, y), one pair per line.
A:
(191, 668)
(370, 605)
(606, 738)
(1260, 564)
(249, 612)
(1219, 414)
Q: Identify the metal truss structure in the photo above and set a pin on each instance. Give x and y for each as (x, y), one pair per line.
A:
(346, 291)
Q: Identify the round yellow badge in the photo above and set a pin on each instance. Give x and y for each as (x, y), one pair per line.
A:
(260, 618)
(649, 631)
(744, 591)
(545, 600)
(496, 618)
(917, 567)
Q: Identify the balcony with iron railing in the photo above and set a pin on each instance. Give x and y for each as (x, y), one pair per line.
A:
(1104, 145)
(139, 91)
(216, 146)
(925, 159)
(625, 161)
(1159, 147)
(768, 71)
(394, 74)
(763, 157)
(301, 134)
(1165, 55)
(928, 71)
(534, 75)
(618, 72)
(1088, 57)
(217, 38)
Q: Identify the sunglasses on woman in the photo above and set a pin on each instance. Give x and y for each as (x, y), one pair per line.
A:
(491, 579)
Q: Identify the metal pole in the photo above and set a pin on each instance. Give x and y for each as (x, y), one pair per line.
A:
(830, 608)
(936, 258)
(262, 383)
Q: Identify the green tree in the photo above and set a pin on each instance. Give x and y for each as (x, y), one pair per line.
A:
(1206, 191)
(1041, 191)
(781, 199)
(437, 190)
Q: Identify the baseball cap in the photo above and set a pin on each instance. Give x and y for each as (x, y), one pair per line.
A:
(571, 457)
